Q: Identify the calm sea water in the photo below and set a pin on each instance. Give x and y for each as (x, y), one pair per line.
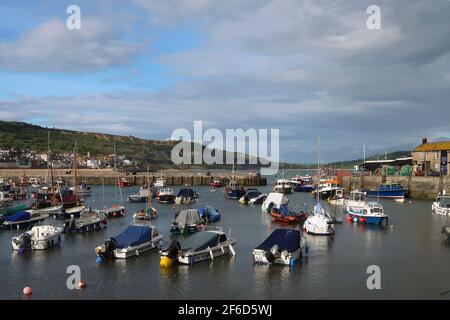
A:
(412, 254)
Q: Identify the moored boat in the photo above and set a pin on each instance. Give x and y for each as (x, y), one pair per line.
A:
(23, 219)
(388, 190)
(442, 204)
(186, 196)
(133, 241)
(249, 195)
(88, 220)
(282, 247)
(165, 196)
(202, 246)
(38, 238)
(362, 211)
(283, 186)
(234, 190)
(209, 214)
(446, 231)
(274, 200)
(141, 196)
(187, 221)
(115, 211)
(123, 183)
(283, 214)
(146, 214)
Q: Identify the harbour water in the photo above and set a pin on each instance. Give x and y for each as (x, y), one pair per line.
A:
(412, 254)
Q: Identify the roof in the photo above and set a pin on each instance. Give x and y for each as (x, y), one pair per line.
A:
(433, 146)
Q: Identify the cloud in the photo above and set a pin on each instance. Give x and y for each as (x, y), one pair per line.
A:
(51, 47)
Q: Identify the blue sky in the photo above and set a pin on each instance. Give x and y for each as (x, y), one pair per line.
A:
(148, 67)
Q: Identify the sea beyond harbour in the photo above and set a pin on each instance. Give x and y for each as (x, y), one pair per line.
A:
(411, 252)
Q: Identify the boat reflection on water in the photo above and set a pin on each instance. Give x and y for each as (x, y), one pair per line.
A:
(276, 279)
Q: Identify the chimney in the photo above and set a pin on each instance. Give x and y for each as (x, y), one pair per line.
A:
(424, 140)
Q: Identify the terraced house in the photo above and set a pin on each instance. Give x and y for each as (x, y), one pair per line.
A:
(431, 158)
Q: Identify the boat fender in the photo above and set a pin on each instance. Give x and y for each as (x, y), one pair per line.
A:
(232, 250)
(81, 284)
(211, 254)
(136, 252)
(27, 291)
(99, 259)
(191, 260)
(292, 261)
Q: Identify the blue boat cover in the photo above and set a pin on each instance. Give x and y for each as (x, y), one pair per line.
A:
(210, 212)
(284, 210)
(286, 239)
(133, 236)
(19, 216)
(186, 193)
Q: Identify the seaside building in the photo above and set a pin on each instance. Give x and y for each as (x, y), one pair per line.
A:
(431, 158)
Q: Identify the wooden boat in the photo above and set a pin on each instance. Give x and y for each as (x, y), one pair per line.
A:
(38, 238)
(133, 241)
(283, 247)
(202, 246)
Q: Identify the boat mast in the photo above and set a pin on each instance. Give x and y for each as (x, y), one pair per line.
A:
(74, 164)
(318, 171)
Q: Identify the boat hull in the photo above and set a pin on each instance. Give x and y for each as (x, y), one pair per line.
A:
(439, 210)
(129, 252)
(389, 194)
(365, 219)
(208, 254)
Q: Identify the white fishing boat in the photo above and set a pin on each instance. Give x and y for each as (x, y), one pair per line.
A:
(442, 204)
(38, 238)
(283, 246)
(337, 197)
(160, 182)
(283, 186)
(133, 241)
(201, 246)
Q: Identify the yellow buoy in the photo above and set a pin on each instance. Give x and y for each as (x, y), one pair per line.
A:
(165, 262)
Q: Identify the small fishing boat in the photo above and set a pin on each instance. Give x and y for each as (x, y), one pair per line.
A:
(283, 247)
(216, 183)
(283, 186)
(146, 214)
(82, 190)
(442, 204)
(209, 214)
(388, 190)
(187, 221)
(361, 211)
(133, 241)
(23, 219)
(446, 231)
(165, 196)
(274, 200)
(250, 194)
(259, 199)
(186, 196)
(88, 220)
(233, 190)
(283, 214)
(160, 182)
(123, 183)
(141, 196)
(328, 188)
(38, 238)
(115, 211)
(202, 246)
(336, 197)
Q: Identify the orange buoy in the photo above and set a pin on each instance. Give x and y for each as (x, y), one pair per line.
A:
(362, 220)
(27, 291)
(82, 284)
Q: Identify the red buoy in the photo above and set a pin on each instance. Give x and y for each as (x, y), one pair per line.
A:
(82, 284)
(27, 291)
(362, 220)
(349, 218)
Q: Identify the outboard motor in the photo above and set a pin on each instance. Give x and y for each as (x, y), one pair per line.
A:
(173, 249)
(23, 242)
(69, 226)
(271, 255)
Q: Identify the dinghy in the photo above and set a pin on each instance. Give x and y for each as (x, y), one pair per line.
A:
(146, 214)
(187, 221)
(133, 241)
(202, 246)
(38, 238)
(283, 246)
(283, 214)
(23, 219)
